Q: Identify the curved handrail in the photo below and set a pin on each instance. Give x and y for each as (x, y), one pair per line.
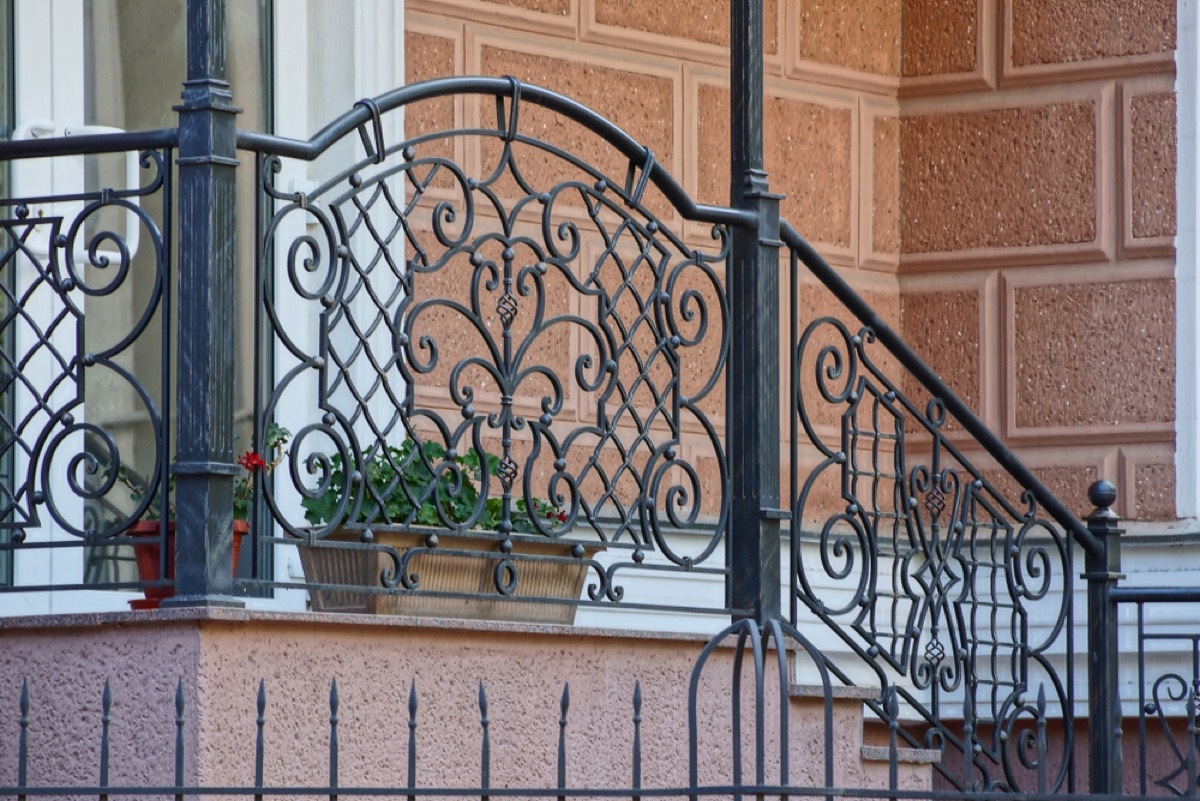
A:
(930, 380)
(366, 111)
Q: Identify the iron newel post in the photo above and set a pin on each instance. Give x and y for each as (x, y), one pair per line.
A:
(204, 467)
(753, 427)
(1103, 566)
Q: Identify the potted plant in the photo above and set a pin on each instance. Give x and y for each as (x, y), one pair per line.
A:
(148, 554)
(397, 495)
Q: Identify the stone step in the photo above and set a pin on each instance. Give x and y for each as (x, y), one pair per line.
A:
(860, 760)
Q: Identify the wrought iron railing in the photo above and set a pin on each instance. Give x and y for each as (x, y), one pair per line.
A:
(940, 581)
(86, 370)
(478, 337)
(518, 346)
(1167, 761)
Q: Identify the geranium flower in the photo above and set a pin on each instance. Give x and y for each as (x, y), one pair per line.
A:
(252, 461)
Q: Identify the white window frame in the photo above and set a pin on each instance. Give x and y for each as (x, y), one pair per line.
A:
(49, 81)
(1187, 281)
(56, 93)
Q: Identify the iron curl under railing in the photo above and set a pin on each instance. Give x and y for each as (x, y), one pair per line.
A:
(895, 345)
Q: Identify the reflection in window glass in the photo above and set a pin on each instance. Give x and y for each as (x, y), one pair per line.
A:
(7, 411)
(135, 66)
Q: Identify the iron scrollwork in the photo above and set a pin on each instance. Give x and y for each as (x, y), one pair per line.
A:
(68, 260)
(922, 566)
(541, 316)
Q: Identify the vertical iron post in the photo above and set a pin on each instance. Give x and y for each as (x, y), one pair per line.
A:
(1103, 566)
(753, 427)
(204, 468)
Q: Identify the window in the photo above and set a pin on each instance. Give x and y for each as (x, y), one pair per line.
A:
(118, 63)
(7, 124)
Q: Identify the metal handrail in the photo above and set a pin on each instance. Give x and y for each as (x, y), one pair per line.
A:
(90, 144)
(895, 345)
(365, 111)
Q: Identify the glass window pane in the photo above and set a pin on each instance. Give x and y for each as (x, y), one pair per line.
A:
(134, 67)
(7, 123)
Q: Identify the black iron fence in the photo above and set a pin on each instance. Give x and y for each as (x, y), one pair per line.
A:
(738, 743)
(1168, 696)
(758, 758)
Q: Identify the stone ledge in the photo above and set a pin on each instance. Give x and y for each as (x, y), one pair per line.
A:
(910, 756)
(836, 691)
(213, 614)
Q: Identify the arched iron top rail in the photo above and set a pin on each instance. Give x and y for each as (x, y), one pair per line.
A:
(930, 380)
(366, 113)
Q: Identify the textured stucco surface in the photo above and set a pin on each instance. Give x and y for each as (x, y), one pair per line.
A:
(699, 20)
(1152, 145)
(938, 36)
(1004, 178)
(886, 230)
(944, 328)
(808, 157)
(1074, 348)
(559, 7)
(643, 108)
(427, 56)
(1046, 32)
(66, 669)
(1070, 484)
(808, 148)
(521, 668)
(1154, 492)
(921, 137)
(862, 36)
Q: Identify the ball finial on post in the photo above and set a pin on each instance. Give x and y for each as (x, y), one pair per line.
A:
(1102, 494)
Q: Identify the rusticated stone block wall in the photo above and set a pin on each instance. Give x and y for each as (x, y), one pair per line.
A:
(1037, 190)
(998, 175)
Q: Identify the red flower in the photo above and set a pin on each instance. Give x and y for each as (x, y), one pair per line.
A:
(562, 517)
(252, 461)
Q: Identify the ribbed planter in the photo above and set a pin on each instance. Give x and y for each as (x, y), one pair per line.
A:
(148, 556)
(439, 571)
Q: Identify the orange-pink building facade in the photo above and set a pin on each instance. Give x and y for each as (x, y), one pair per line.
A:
(997, 177)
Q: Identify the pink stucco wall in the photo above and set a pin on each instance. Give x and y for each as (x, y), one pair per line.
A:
(222, 655)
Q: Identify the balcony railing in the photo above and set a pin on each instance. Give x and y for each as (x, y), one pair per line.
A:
(491, 377)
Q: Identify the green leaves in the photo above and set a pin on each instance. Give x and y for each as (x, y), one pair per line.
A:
(401, 488)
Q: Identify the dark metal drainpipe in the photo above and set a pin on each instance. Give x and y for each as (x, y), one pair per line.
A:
(204, 467)
(753, 414)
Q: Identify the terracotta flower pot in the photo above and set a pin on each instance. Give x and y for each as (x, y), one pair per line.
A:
(149, 557)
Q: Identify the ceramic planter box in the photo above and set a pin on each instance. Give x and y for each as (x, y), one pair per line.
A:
(444, 572)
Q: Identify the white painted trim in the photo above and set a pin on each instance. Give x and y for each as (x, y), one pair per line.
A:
(1187, 283)
(49, 80)
(306, 100)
